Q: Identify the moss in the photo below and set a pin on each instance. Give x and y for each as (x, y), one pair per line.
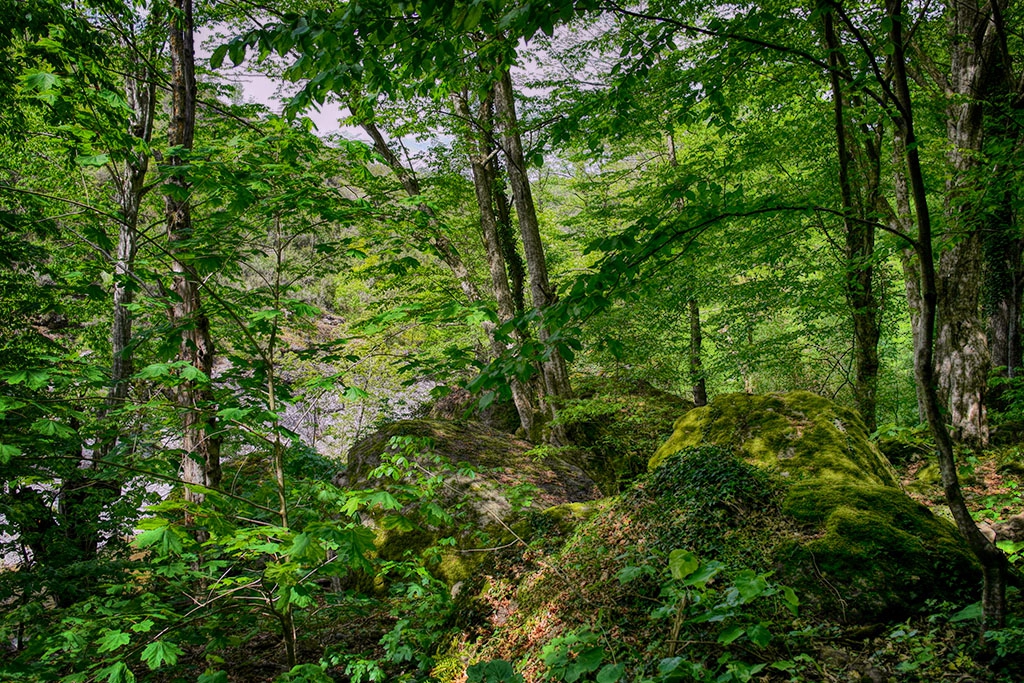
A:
(568, 515)
(795, 435)
(864, 550)
(871, 552)
(615, 425)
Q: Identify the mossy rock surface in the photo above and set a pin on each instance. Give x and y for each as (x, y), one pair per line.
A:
(506, 483)
(796, 435)
(864, 550)
(500, 460)
(615, 425)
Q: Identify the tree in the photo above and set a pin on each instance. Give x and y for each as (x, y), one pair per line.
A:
(200, 440)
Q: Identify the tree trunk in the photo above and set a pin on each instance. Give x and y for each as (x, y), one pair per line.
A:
(993, 561)
(700, 389)
(201, 445)
(555, 371)
(483, 183)
(962, 346)
(440, 242)
(860, 238)
(85, 495)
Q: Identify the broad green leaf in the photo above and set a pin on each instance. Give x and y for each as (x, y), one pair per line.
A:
(7, 452)
(972, 611)
(750, 585)
(759, 635)
(160, 652)
(682, 563)
(590, 659)
(611, 673)
(114, 640)
(116, 673)
(730, 634)
(93, 160)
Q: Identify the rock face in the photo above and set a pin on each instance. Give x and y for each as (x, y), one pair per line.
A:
(470, 507)
(863, 550)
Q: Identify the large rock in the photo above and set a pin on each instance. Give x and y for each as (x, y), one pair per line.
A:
(504, 481)
(783, 488)
(863, 550)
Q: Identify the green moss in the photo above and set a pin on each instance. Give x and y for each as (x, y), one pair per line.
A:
(871, 552)
(615, 425)
(568, 515)
(796, 435)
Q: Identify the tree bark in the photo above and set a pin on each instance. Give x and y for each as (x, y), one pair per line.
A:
(200, 443)
(962, 346)
(530, 418)
(555, 370)
(993, 561)
(860, 237)
(697, 379)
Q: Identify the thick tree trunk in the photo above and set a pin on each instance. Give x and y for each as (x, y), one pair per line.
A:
(962, 346)
(530, 418)
(697, 380)
(555, 371)
(201, 445)
(993, 561)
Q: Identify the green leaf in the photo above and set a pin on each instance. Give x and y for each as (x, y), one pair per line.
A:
(397, 522)
(730, 634)
(7, 452)
(790, 598)
(972, 611)
(117, 673)
(93, 160)
(217, 58)
(354, 393)
(40, 81)
(750, 585)
(159, 653)
(113, 640)
(590, 659)
(682, 563)
(759, 635)
(611, 673)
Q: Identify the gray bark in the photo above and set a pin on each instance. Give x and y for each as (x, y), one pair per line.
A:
(962, 351)
(483, 185)
(201, 446)
(555, 371)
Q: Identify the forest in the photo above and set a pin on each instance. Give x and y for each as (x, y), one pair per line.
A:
(640, 342)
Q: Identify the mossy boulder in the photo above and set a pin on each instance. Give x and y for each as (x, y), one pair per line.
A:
(863, 550)
(458, 480)
(615, 425)
(797, 435)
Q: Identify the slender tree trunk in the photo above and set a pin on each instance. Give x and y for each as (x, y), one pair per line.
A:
(440, 242)
(555, 371)
(85, 495)
(200, 443)
(697, 380)
(483, 183)
(993, 561)
(860, 240)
